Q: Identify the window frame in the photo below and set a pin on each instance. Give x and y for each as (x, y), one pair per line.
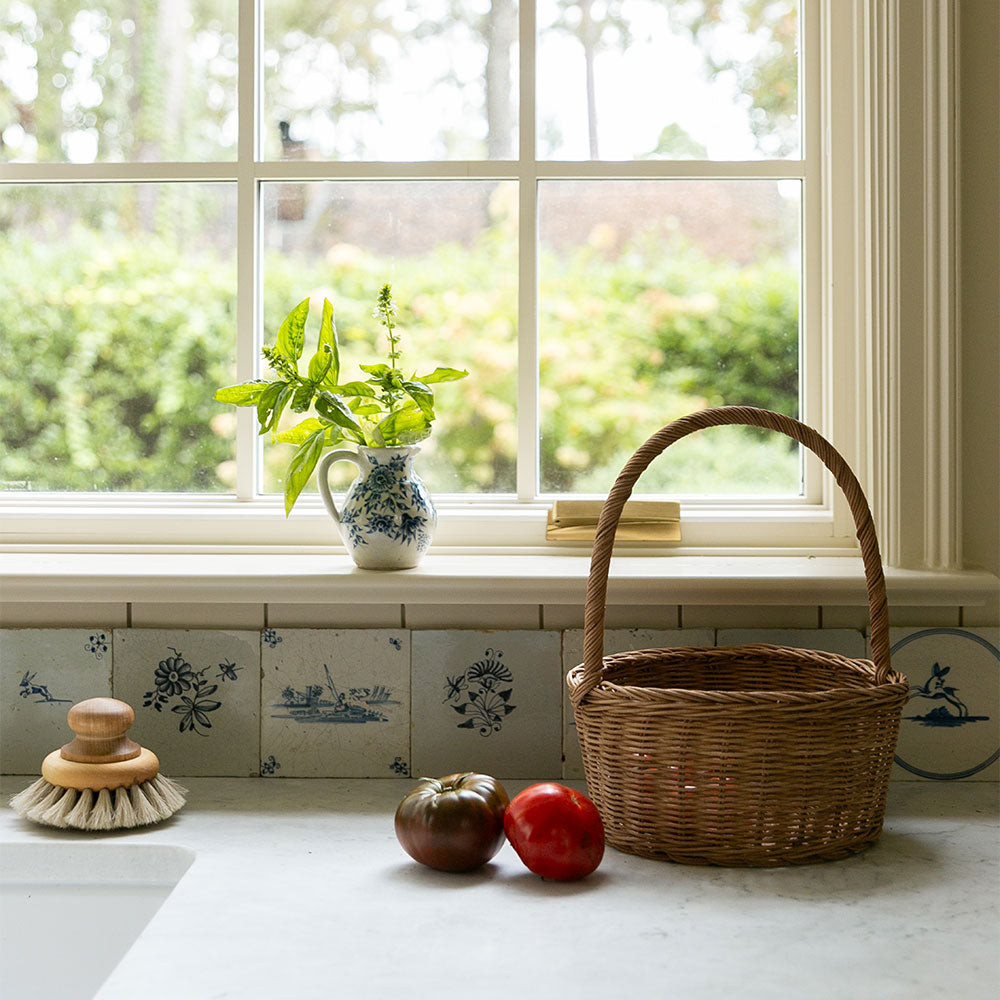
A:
(854, 339)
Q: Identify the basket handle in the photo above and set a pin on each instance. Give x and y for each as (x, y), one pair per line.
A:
(597, 584)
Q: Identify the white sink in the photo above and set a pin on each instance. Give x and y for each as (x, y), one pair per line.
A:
(69, 912)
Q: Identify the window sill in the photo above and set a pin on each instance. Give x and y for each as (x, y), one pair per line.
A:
(482, 578)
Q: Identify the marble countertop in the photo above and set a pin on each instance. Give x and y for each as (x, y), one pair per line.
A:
(299, 889)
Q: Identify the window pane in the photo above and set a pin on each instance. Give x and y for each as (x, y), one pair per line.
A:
(390, 80)
(449, 250)
(658, 298)
(639, 79)
(118, 81)
(117, 320)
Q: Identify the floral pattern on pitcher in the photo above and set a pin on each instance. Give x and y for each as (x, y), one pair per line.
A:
(388, 502)
(387, 519)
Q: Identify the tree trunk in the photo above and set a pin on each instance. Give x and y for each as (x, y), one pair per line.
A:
(501, 33)
(589, 36)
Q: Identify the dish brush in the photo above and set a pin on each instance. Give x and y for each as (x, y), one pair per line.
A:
(100, 780)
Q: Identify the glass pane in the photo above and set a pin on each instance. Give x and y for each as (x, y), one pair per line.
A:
(658, 298)
(118, 81)
(642, 79)
(449, 250)
(118, 322)
(390, 80)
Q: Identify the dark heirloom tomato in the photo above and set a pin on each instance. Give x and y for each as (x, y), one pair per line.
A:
(455, 823)
(556, 831)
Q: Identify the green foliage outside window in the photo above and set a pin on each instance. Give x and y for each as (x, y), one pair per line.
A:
(110, 363)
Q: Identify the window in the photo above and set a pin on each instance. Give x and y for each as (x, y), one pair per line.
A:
(611, 211)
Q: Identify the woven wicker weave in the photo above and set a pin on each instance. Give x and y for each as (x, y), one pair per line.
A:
(737, 755)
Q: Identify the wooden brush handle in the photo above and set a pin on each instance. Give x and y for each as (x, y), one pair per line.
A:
(100, 725)
(119, 774)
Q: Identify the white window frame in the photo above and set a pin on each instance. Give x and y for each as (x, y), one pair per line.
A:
(866, 330)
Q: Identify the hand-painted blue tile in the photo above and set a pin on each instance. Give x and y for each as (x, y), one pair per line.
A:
(487, 702)
(43, 673)
(196, 696)
(335, 703)
(615, 641)
(951, 724)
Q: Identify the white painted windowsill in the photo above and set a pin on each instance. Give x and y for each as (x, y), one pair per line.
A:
(483, 578)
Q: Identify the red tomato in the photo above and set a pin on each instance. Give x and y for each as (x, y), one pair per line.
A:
(455, 823)
(556, 831)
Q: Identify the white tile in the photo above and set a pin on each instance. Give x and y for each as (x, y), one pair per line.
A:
(560, 616)
(845, 616)
(197, 615)
(951, 724)
(615, 641)
(619, 616)
(846, 642)
(749, 616)
(659, 616)
(982, 615)
(43, 673)
(59, 614)
(921, 616)
(335, 703)
(335, 615)
(472, 616)
(196, 695)
(488, 702)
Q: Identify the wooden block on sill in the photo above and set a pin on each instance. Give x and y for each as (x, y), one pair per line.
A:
(641, 521)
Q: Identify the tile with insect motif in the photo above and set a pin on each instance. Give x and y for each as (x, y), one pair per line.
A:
(43, 673)
(487, 701)
(615, 641)
(196, 695)
(335, 703)
(951, 723)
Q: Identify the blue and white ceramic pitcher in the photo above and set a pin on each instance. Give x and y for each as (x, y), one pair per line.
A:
(387, 519)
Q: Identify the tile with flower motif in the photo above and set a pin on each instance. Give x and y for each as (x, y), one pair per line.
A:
(487, 701)
(196, 695)
(43, 673)
(951, 723)
(335, 703)
(615, 641)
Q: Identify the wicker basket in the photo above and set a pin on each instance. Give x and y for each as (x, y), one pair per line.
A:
(737, 755)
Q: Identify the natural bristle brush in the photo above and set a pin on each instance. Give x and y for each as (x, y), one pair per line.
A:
(100, 780)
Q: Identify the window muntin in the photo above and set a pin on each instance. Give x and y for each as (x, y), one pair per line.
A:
(521, 176)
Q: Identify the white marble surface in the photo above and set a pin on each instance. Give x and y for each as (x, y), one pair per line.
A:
(299, 889)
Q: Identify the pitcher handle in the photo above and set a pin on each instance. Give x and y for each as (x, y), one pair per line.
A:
(321, 480)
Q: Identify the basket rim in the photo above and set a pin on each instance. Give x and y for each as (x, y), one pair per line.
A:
(892, 687)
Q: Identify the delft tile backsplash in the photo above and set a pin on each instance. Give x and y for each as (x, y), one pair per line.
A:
(951, 724)
(196, 696)
(369, 702)
(335, 702)
(487, 701)
(43, 673)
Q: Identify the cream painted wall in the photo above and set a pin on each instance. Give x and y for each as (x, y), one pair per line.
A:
(979, 97)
